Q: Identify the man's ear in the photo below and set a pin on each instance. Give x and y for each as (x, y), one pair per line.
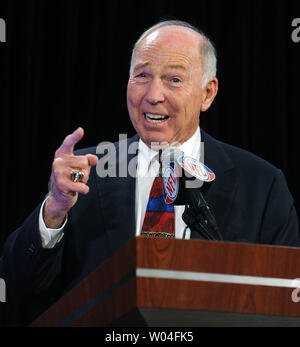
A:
(210, 92)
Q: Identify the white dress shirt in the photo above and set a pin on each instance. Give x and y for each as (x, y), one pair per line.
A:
(147, 170)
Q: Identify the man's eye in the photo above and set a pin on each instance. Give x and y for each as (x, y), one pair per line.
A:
(141, 75)
(175, 80)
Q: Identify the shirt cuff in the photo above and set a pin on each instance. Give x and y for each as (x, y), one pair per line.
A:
(49, 237)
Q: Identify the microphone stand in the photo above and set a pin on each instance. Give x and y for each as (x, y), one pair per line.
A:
(198, 217)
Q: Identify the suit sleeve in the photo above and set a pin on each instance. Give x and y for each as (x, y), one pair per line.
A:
(280, 221)
(30, 271)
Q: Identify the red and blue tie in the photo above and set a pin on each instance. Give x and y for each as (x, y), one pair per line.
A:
(159, 218)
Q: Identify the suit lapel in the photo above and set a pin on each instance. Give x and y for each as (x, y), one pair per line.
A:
(220, 193)
(117, 195)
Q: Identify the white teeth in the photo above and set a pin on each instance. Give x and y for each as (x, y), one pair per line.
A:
(155, 118)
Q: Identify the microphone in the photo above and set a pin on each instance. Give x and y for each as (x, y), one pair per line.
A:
(183, 179)
(182, 173)
(175, 178)
(198, 216)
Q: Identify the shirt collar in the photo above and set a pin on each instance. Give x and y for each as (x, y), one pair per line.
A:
(190, 148)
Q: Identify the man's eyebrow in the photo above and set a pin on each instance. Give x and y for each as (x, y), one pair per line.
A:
(141, 65)
(172, 66)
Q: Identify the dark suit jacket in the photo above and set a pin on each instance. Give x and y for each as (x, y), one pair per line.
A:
(249, 199)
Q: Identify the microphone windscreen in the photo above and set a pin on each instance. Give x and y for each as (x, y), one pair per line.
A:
(170, 154)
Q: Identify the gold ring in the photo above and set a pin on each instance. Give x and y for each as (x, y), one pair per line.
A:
(76, 175)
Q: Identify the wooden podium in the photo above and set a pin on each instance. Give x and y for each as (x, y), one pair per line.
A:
(167, 282)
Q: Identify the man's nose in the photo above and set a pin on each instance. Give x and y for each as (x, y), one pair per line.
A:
(155, 92)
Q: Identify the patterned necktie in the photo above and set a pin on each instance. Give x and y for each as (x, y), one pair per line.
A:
(159, 218)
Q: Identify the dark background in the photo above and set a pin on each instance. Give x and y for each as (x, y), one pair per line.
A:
(65, 64)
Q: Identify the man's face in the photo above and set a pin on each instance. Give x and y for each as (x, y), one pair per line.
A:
(164, 92)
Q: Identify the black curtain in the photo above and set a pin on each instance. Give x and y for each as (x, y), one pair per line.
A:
(65, 64)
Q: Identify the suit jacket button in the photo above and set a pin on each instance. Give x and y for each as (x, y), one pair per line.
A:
(31, 249)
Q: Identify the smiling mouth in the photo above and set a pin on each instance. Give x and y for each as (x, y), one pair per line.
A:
(156, 118)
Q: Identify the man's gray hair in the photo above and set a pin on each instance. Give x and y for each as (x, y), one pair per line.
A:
(207, 51)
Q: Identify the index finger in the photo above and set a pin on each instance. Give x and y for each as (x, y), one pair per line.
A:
(67, 147)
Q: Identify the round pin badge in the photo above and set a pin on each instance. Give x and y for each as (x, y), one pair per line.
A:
(196, 168)
(170, 183)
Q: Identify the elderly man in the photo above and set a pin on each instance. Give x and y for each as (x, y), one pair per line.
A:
(86, 218)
